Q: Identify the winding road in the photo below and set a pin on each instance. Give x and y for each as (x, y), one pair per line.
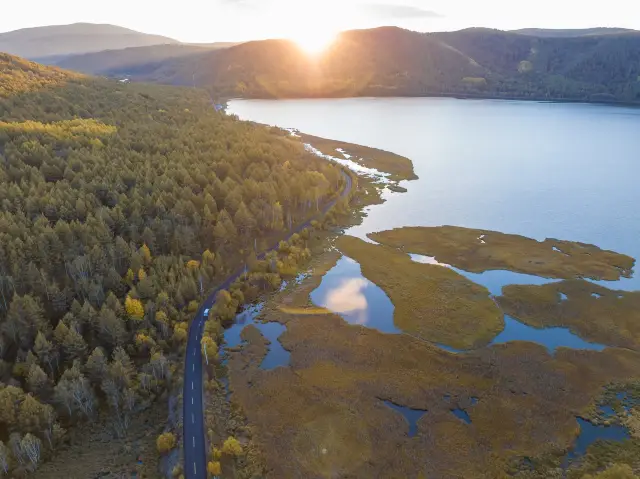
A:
(194, 441)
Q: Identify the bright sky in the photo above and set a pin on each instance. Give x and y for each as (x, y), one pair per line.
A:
(236, 20)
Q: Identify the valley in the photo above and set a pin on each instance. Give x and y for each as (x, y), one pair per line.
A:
(254, 260)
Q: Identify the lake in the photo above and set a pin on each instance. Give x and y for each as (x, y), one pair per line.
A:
(559, 170)
(567, 171)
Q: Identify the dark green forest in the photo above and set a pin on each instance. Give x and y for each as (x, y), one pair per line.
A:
(122, 205)
(600, 65)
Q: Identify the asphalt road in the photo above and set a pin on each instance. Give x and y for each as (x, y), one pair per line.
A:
(195, 445)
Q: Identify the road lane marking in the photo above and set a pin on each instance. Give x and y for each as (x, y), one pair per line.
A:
(193, 419)
(194, 352)
(194, 441)
(194, 367)
(194, 468)
(191, 400)
(192, 385)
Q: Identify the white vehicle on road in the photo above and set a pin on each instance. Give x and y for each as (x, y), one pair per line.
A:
(206, 313)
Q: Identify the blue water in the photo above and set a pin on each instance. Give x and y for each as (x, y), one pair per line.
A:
(411, 415)
(607, 411)
(551, 338)
(276, 356)
(590, 433)
(542, 170)
(627, 401)
(248, 316)
(557, 170)
(493, 280)
(461, 414)
(346, 292)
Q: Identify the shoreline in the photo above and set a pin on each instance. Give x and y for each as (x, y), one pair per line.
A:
(453, 96)
(246, 364)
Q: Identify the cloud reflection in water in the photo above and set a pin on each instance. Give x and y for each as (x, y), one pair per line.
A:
(348, 297)
(346, 292)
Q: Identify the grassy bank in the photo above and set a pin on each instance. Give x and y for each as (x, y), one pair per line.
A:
(478, 250)
(593, 312)
(398, 167)
(324, 416)
(434, 303)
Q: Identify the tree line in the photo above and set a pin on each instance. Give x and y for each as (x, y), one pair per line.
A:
(389, 61)
(122, 205)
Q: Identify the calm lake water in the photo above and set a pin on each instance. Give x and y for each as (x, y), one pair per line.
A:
(346, 292)
(568, 171)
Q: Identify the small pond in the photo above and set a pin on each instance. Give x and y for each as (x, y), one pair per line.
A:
(346, 292)
(277, 356)
(411, 415)
(589, 434)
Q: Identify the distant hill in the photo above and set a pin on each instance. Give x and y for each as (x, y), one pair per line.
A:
(120, 61)
(390, 61)
(383, 61)
(589, 67)
(571, 33)
(18, 75)
(51, 43)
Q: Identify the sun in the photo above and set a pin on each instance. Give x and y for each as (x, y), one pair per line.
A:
(314, 42)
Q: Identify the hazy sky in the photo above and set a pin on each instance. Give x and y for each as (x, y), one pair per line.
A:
(233, 20)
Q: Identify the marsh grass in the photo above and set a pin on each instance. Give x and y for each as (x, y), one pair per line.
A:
(399, 167)
(329, 399)
(611, 317)
(434, 303)
(477, 251)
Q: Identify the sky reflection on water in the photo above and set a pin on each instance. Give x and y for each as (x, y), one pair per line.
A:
(346, 292)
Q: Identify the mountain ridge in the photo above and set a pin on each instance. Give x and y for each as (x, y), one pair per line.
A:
(583, 65)
(55, 41)
(573, 32)
(391, 61)
(110, 61)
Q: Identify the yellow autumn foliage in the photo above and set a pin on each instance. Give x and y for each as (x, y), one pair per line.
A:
(165, 442)
(232, 447)
(61, 130)
(214, 468)
(216, 453)
(134, 308)
(209, 347)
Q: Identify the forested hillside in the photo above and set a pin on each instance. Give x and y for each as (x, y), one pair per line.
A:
(121, 206)
(128, 58)
(598, 65)
(571, 32)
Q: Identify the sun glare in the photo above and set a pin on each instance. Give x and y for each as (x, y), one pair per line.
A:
(314, 42)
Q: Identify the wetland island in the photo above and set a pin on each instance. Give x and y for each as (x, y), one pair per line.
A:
(395, 354)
